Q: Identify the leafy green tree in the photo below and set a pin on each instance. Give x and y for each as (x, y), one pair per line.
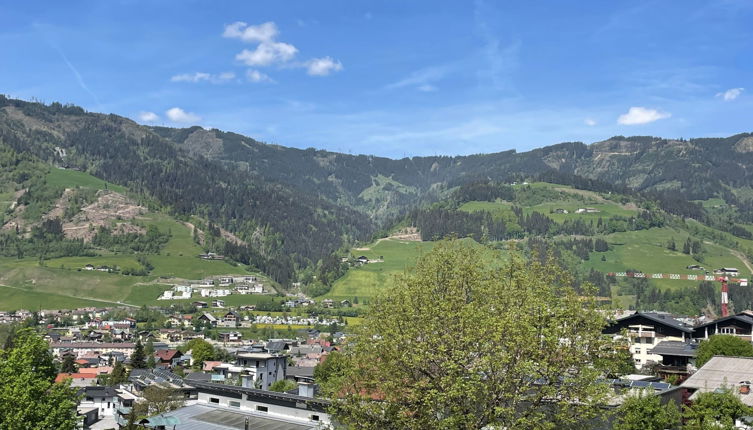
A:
(332, 366)
(715, 410)
(282, 385)
(201, 351)
(645, 412)
(722, 344)
(68, 365)
(138, 359)
(463, 343)
(29, 396)
(158, 400)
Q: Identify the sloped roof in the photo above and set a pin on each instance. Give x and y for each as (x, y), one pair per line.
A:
(676, 348)
(739, 318)
(722, 372)
(63, 376)
(663, 319)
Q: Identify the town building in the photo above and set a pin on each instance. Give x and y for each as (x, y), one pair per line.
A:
(645, 330)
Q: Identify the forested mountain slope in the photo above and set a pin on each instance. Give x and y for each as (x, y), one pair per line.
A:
(698, 168)
(294, 207)
(284, 226)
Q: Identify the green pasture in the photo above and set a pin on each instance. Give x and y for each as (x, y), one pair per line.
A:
(72, 179)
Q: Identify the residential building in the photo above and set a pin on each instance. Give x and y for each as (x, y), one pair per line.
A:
(740, 325)
(733, 373)
(645, 330)
(264, 368)
(78, 349)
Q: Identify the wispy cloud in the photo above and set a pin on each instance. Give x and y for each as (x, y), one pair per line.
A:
(730, 94)
(148, 117)
(257, 76)
(590, 122)
(423, 79)
(77, 75)
(501, 58)
(323, 66)
(641, 115)
(204, 77)
(177, 114)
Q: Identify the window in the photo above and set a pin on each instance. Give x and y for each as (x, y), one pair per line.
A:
(262, 408)
(214, 400)
(235, 404)
(728, 330)
(108, 405)
(314, 417)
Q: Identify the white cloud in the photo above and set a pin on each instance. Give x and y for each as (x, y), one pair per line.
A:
(730, 94)
(422, 77)
(267, 53)
(590, 122)
(201, 76)
(226, 76)
(426, 88)
(323, 66)
(257, 76)
(148, 117)
(265, 32)
(177, 114)
(641, 115)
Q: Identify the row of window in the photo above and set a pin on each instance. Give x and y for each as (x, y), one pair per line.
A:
(259, 408)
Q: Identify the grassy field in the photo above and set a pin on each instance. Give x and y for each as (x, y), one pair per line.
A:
(366, 281)
(13, 299)
(646, 250)
(73, 179)
(62, 277)
(502, 208)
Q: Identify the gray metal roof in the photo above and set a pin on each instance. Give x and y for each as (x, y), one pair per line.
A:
(722, 372)
(311, 403)
(676, 348)
(205, 417)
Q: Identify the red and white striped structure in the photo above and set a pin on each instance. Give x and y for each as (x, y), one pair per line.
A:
(723, 279)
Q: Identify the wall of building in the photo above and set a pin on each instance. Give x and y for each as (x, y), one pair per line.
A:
(242, 403)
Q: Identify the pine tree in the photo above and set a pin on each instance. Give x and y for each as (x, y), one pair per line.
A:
(138, 356)
(118, 375)
(68, 365)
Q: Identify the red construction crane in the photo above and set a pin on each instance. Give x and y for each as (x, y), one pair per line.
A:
(720, 278)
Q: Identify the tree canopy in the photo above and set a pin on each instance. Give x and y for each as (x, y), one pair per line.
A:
(715, 410)
(645, 412)
(138, 357)
(29, 396)
(727, 345)
(464, 343)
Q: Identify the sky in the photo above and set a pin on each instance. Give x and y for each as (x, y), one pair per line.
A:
(393, 78)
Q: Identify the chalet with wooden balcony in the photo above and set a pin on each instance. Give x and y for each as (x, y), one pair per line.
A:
(645, 330)
(740, 325)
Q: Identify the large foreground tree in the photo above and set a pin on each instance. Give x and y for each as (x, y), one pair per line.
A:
(29, 396)
(464, 342)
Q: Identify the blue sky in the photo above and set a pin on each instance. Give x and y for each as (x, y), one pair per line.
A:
(393, 78)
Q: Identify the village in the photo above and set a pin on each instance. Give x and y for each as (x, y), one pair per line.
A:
(220, 286)
(272, 379)
(276, 374)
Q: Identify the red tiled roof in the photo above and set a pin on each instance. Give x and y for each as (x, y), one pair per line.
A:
(63, 376)
(166, 354)
(210, 365)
